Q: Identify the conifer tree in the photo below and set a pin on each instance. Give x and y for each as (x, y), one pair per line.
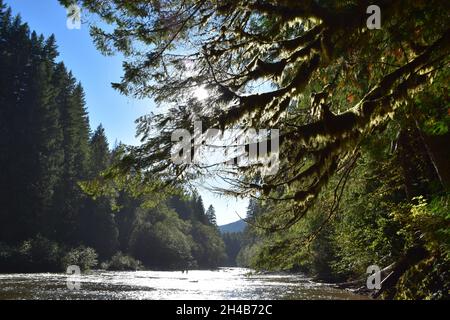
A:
(211, 215)
(97, 225)
(68, 195)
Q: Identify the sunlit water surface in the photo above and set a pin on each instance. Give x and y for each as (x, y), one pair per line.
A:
(222, 284)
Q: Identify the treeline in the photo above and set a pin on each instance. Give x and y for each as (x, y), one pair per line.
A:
(46, 149)
(233, 244)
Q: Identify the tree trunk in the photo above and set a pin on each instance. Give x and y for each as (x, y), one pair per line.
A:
(438, 149)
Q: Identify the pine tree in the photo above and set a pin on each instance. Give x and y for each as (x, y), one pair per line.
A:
(198, 209)
(99, 152)
(211, 215)
(69, 198)
(125, 218)
(181, 206)
(97, 225)
(30, 138)
(46, 132)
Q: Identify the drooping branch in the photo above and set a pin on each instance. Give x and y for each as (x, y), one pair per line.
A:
(289, 49)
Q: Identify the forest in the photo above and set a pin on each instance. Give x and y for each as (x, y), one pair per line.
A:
(363, 117)
(362, 110)
(47, 220)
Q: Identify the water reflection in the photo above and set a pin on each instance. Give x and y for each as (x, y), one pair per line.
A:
(222, 284)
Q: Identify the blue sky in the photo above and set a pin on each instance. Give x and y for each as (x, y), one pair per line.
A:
(117, 113)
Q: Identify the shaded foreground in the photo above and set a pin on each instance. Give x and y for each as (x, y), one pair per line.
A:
(225, 283)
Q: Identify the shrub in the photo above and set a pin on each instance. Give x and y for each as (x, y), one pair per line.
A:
(122, 262)
(35, 255)
(85, 258)
(42, 254)
(161, 246)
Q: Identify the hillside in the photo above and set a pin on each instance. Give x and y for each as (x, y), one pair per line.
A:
(237, 226)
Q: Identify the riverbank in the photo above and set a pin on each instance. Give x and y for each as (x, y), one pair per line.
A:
(358, 287)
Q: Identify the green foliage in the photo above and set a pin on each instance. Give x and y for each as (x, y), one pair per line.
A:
(42, 255)
(376, 223)
(123, 262)
(247, 256)
(428, 222)
(34, 255)
(233, 244)
(434, 106)
(211, 215)
(428, 280)
(209, 248)
(159, 239)
(85, 258)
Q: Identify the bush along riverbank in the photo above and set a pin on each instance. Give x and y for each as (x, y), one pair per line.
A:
(42, 255)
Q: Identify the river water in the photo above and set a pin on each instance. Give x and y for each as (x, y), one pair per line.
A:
(222, 284)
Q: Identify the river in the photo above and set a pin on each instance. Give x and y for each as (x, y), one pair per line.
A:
(222, 284)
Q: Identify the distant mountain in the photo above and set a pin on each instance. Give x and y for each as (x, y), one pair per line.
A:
(237, 226)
